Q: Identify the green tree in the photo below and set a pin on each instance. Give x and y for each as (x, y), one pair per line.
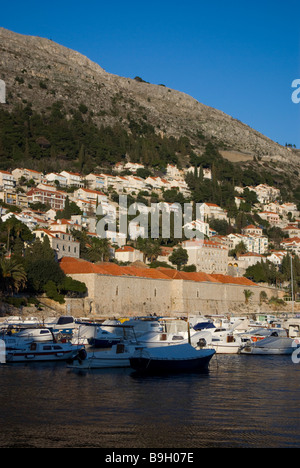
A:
(179, 257)
(41, 266)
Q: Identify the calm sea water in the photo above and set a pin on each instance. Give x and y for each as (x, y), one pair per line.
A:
(241, 402)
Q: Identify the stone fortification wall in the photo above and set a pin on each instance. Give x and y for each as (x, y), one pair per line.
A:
(117, 296)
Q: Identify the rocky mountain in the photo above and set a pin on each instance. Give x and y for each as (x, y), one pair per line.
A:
(40, 72)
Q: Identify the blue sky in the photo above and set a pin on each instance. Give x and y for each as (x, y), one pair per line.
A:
(239, 57)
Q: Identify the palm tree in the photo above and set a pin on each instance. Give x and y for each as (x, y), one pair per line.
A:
(13, 276)
(248, 294)
(10, 223)
(150, 248)
(98, 250)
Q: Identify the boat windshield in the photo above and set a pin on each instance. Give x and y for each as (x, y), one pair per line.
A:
(65, 320)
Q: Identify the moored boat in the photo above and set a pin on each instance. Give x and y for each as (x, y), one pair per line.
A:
(35, 334)
(269, 346)
(38, 351)
(29, 345)
(176, 358)
(117, 356)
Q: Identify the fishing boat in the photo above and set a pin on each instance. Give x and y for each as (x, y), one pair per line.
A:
(177, 358)
(270, 345)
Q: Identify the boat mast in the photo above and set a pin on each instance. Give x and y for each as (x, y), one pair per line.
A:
(292, 283)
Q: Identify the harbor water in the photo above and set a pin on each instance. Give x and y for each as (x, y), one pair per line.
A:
(241, 402)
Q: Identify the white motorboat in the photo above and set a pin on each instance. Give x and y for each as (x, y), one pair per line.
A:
(112, 332)
(117, 356)
(19, 322)
(63, 324)
(35, 334)
(165, 332)
(258, 334)
(32, 351)
(107, 334)
(270, 345)
(222, 339)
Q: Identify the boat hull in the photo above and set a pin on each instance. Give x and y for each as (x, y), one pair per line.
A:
(266, 351)
(100, 363)
(223, 349)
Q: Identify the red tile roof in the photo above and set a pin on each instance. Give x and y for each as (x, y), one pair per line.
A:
(78, 266)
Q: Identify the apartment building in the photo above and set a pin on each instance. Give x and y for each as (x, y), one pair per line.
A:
(96, 181)
(252, 230)
(212, 211)
(253, 243)
(208, 256)
(272, 217)
(89, 195)
(292, 245)
(73, 179)
(7, 180)
(14, 198)
(28, 174)
(54, 178)
(61, 242)
(54, 198)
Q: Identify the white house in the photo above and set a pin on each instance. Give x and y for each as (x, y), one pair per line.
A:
(73, 179)
(251, 229)
(133, 167)
(53, 178)
(213, 211)
(292, 244)
(127, 253)
(271, 217)
(7, 180)
(89, 195)
(96, 181)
